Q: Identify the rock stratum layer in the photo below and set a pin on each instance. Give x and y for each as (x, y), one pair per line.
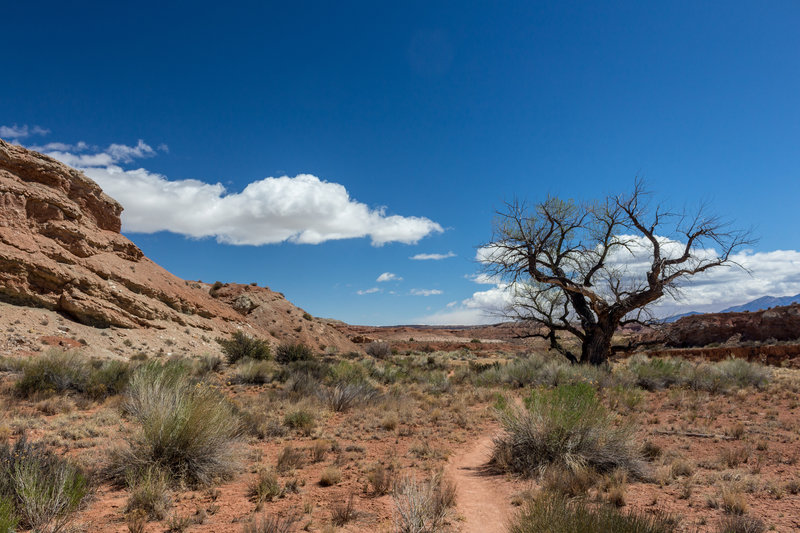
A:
(61, 250)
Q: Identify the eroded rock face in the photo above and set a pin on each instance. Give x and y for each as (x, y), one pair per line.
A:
(779, 323)
(60, 249)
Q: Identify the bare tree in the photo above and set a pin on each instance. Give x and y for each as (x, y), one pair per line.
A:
(586, 269)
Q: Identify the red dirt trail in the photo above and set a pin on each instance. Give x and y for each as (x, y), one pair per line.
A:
(483, 499)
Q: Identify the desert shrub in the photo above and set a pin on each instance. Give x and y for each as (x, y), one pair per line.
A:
(206, 364)
(741, 524)
(270, 524)
(300, 419)
(343, 512)
(108, 378)
(254, 372)
(290, 458)
(379, 349)
(60, 371)
(343, 396)
(149, 493)
(347, 372)
(291, 352)
(422, 507)
(265, 487)
(741, 373)
(38, 489)
(622, 398)
(380, 480)
(558, 514)
(657, 373)
(241, 345)
(567, 426)
(188, 429)
(318, 450)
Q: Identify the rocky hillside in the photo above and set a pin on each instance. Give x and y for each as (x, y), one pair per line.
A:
(61, 252)
(778, 324)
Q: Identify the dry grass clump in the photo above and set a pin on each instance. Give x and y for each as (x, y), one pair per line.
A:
(149, 493)
(741, 524)
(566, 426)
(254, 372)
(188, 430)
(330, 476)
(38, 489)
(558, 514)
(734, 500)
(60, 371)
(344, 396)
(423, 507)
(380, 479)
(265, 487)
(343, 512)
(270, 524)
(290, 458)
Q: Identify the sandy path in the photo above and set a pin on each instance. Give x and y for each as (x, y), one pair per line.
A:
(483, 500)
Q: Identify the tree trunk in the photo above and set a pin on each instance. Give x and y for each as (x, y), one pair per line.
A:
(597, 346)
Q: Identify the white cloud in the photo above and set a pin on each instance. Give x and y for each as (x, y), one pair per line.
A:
(373, 290)
(388, 276)
(425, 292)
(432, 257)
(774, 273)
(126, 154)
(21, 132)
(302, 209)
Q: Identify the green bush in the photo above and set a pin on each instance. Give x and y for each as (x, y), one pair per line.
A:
(557, 514)
(564, 426)
(38, 489)
(8, 518)
(660, 373)
(301, 420)
(657, 373)
(187, 429)
(241, 346)
(66, 371)
(291, 352)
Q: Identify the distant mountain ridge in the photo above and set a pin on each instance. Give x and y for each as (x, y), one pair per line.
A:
(765, 302)
(759, 304)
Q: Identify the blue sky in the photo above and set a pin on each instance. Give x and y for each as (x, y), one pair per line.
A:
(414, 121)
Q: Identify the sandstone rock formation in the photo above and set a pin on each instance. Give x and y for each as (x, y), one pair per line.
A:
(779, 324)
(61, 250)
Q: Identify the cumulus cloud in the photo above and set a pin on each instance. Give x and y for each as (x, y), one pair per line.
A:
(432, 257)
(373, 290)
(388, 276)
(21, 132)
(774, 273)
(303, 209)
(425, 292)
